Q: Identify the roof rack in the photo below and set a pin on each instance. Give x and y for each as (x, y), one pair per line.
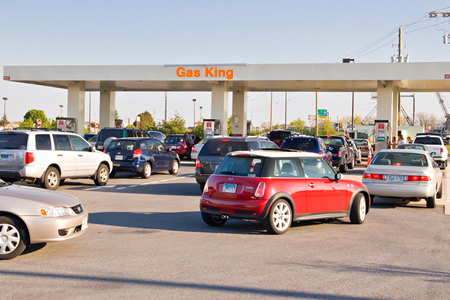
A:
(35, 129)
(426, 133)
(282, 149)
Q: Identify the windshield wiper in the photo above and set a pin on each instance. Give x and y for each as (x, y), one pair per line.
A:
(228, 172)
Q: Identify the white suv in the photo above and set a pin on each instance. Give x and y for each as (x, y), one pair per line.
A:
(49, 157)
(436, 146)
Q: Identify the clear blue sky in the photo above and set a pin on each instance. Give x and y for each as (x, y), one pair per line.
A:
(180, 32)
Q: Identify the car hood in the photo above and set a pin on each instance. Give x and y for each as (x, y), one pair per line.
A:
(18, 193)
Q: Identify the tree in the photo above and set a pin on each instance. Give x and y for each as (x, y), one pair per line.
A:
(31, 117)
(175, 125)
(199, 130)
(116, 115)
(326, 128)
(3, 122)
(146, 120)
(229, 128)
(299, 125)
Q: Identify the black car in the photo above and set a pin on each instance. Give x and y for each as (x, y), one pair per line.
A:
(215, 149)
(117, 133)
(142, 156)
(308, 144)
(343, 156)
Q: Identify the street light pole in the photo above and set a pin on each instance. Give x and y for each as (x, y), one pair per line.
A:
(4, 113)
(193, 100)
(201, 114)
(61, 109)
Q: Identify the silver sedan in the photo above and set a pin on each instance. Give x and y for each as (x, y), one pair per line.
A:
(401, 173)
(29, 216)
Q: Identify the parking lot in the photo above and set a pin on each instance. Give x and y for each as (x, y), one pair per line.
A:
(146, 240)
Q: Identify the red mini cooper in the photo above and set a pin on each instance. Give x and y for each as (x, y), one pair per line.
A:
(279, 187)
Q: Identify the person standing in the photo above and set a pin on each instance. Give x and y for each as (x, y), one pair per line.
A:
(401, 140)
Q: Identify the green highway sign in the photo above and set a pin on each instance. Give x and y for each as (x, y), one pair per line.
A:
(323, 113)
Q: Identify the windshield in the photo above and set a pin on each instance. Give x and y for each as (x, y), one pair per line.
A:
(400, 159)
(13, 140)
(222, 147)
(300, 144)
(332, 141)
(279, 135)
(427, 140)
(106, 133)
(241, 166)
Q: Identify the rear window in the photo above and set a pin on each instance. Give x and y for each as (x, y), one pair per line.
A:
(333, 141)
(241, 166)
(300, 144)
(400, 159)
(414, 147)
(279, 135)
(174, 140)
(13, 141)
(43, 142)
(123, 145)
(222, 147)
(106, 133)
(427, 140)
(361, 143)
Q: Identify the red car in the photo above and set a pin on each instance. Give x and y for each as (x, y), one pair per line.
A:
(181, 144)
(279, 187)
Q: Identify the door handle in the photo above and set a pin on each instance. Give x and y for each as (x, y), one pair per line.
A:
(60, 155)
(80, 155)
(311, 185)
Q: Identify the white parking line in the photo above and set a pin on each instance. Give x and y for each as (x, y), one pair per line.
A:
(135, 185)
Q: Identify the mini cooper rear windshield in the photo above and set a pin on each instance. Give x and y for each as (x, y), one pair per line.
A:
(301, 144)
(400, 159)
(13, 141)
(123, 145)
(241, 166)
(222, 147)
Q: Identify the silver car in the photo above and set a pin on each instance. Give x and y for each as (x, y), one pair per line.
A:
(29, 216)
(407, 174)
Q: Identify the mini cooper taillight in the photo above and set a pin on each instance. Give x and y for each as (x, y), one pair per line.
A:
(260, 189)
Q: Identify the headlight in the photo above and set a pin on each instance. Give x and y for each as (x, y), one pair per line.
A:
(54, 211)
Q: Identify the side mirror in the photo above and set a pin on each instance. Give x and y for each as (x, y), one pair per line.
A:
(337, 177)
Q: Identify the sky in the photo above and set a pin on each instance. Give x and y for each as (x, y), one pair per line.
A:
(89, 32)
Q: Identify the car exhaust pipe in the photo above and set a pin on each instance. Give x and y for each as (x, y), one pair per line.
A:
(225, 217)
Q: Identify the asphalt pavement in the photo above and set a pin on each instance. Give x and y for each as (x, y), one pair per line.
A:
(146, 240)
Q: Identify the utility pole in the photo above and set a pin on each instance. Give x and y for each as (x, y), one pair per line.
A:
(271, 110)
(165, 114)
(353, 110)
(445, 14)
(285, 112)
(317, 114)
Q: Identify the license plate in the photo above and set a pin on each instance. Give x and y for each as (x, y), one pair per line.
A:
(395, 179)
(84, 223)
(229, 188)
(4, 157)
(118, 157)
(173, 147)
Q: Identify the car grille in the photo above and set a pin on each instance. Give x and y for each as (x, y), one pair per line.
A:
(212, 208)
(78, 209)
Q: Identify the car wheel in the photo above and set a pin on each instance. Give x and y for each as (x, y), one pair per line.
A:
(14, 237)
(147, 171)
(213, 220)
(202, 187)
(102, 175)
(279, 218)
(51, 179)
(358, 210)
(175, 167)
(439, 193)
(431, 202)
(351, 165)
(343, 168)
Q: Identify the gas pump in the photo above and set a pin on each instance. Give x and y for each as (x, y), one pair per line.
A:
(211, 127)
(382, 135)
(66, 124)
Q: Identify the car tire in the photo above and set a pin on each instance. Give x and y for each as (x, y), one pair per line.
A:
(439, 193)
(14, 237)
(51, 179)
(213, 220)
(146, 171)
(102, 175)
(431, 202)
(202, 187)
(351, 165)
(343, 168)
(358, 209)
(175, 167)
(279, 218)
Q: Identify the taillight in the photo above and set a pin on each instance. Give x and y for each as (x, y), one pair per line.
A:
(198, 164)
(442, 150)
(104, 151)
(373, 176)
(194, 150)
(320, 153)
(365, 148)
(29, 157)
(418, 178)
(205, 189)
(260, 189)
(184, 146)
(339, 153)
(137, 153)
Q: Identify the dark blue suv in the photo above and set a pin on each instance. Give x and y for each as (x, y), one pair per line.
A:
(142, 156)
(308, 144)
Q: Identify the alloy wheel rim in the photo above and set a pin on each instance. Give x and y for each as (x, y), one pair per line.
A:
(147, 170)
(362, 209)
(9, 238)
(281, 216)
(52, 179)
(175, 167)
(103, 175)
